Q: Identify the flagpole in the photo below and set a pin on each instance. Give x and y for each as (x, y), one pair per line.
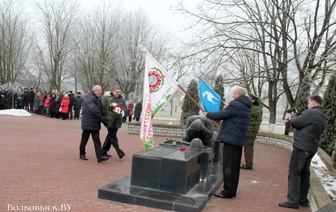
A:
(196, 103)
(223, 103)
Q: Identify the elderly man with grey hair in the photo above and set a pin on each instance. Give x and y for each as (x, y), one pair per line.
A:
(233, 131)
(91, 119)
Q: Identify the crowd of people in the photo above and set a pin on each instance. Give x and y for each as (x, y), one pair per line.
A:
(65, 105)
(51, 104)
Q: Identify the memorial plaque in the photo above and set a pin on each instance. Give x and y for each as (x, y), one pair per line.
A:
(168, 169)
(146, 166)
(180, 171)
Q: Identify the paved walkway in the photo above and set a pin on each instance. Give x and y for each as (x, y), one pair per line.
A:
(40, 168)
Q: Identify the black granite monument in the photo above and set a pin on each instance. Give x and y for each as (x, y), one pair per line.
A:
(176, 176)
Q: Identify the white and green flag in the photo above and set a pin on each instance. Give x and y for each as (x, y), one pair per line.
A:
(159, 87)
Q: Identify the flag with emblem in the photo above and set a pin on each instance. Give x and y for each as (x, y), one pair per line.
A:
(159, 87)
(210, 99)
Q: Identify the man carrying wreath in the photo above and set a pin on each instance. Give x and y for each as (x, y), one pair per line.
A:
(114, 102)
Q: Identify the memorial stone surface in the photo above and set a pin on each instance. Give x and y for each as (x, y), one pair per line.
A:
(176, 176)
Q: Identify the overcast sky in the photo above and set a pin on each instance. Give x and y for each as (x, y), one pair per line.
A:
(160, 12)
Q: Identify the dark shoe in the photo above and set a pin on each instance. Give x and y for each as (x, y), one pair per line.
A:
(304, 204)
(221, 195)
(244, 166)
(288, 205)
(121, 155)
(82, 157)
(107, 155)
(104, 158)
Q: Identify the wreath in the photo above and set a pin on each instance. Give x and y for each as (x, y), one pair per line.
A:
(113, 111)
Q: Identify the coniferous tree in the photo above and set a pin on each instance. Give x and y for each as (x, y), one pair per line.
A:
(328, 138)
(189, 108)
(303, 94)
(219, 89)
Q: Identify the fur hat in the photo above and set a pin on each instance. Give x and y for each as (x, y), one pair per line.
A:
(253, 96)
(107, 94)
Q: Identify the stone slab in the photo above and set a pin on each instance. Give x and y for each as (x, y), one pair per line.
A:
(193, 201)
(170, 169)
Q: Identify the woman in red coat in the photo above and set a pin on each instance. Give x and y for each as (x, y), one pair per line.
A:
(130, 108)
(65, 106)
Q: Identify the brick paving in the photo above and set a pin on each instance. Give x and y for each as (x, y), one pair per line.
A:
(40, 167)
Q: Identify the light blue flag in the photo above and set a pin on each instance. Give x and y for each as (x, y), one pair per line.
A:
(210, 99)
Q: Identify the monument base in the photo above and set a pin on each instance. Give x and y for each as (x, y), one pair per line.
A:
(193, 201)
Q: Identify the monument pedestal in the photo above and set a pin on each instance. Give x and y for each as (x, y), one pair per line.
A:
(168, 178)
(170, 169)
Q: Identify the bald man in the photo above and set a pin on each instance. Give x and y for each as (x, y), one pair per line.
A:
(91, 119)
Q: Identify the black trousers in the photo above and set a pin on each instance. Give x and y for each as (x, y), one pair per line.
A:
(31, 106)
(111, 139)
(96, 142)
(70, 112)
(231, 168)
(77, 113)
(299, 176)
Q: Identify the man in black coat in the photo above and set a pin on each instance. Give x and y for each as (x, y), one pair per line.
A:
(78, 101)
(233, 131)
(91, 119)
(72, 99)
(308, 129)
(3, 98)
(25, 99)
(31, 96)
(111, 138)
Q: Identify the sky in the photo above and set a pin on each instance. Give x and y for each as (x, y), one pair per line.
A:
(159, 11)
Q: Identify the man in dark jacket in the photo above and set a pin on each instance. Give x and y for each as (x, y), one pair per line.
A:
(31, 96)
(236, 119)
(25, 99)
(111, 138)
(3, 98)
(9, 97)
(308, 128)
(92, 117)
(72, 99)
(256, 118)
(78, 101)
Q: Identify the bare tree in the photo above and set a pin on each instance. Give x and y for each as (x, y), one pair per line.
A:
(56, 20)
(97, 44)
(14, 40)
(268, 45)
(138, 32)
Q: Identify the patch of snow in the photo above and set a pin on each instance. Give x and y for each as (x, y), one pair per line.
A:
(328, 181)
(15, 112)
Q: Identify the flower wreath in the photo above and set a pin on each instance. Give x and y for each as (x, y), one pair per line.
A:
(115, 108)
